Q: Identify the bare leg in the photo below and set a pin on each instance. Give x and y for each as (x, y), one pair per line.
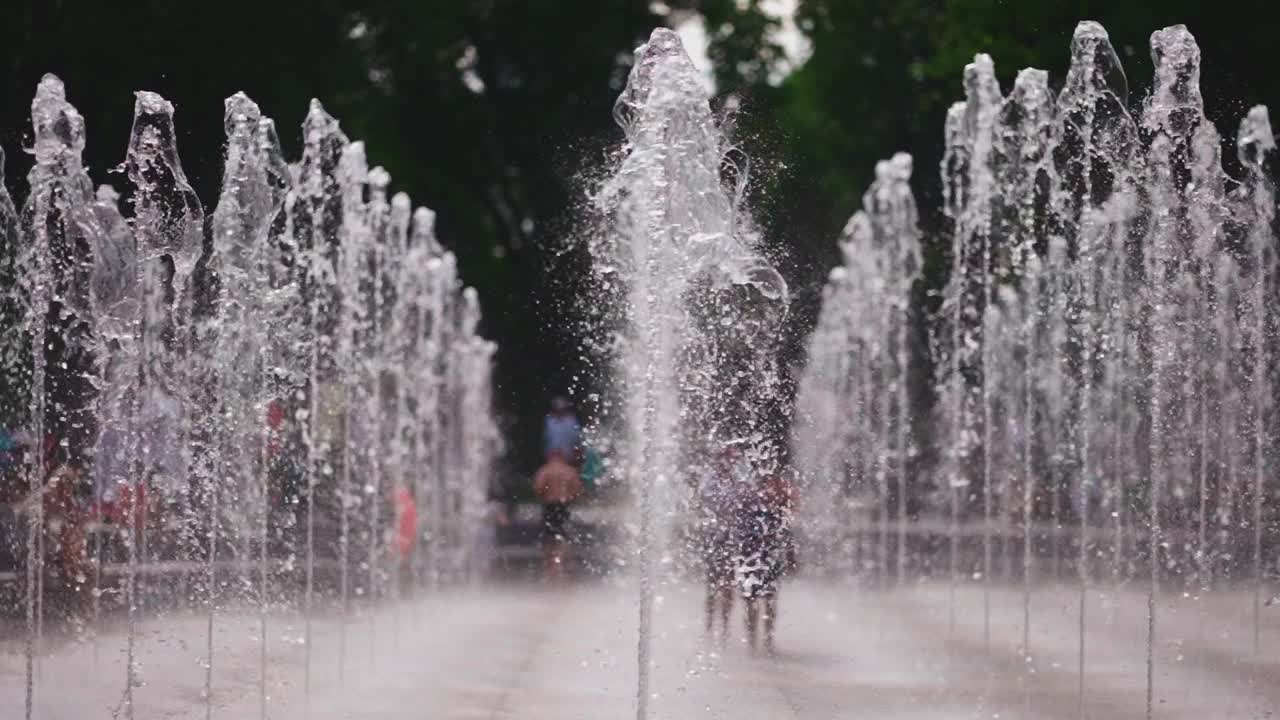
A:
(563, 554)
(726, 607)
(770, 616)
(551, 558)
(753, 614)
(713, 592)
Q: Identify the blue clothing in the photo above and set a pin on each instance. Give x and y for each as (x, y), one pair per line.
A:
(110, 466)
(8, 444)
(560, 433)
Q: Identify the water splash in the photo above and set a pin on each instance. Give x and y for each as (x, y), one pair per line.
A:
(53, 284)
(1106, 300)
(1258, 195)
(249, 305)
(866, 323)
(700, 301)
(197, 349)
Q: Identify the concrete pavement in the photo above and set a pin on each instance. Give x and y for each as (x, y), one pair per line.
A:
(520, 650)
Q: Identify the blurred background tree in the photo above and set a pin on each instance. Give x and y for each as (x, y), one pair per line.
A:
(496, 113)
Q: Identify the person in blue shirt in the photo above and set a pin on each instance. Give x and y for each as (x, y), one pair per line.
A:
(560, 431)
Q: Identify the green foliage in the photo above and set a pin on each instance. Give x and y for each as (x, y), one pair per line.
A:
(741, 47)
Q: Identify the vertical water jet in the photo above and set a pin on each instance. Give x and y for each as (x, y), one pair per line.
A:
(694, 289)
(317, 225)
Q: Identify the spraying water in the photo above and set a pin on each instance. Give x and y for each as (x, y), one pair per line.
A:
(866, 323)
(53, 292)
(700, 302)
(1106, 299)
(178, 360)
(250, 299)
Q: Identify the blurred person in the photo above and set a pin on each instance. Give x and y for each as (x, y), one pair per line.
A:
(13, 478)
(484, 545)
(1094, 494)
(166, 495)
(61, 502)
(592, 469)
(561, 431)
(765, 551)
(274, 429)
(557, 484)
(10, 450)
(110, 459)
(405, 528)
(273, 450)
(66, 547)
(720, 492)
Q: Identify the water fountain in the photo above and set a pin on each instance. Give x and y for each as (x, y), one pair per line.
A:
(176, 361)
(699, 303)
(1104, 348)
(862, 345)
(257, 389)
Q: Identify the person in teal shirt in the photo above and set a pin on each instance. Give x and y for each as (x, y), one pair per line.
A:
(592, 468)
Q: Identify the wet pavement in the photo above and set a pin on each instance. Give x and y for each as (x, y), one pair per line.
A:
(529, 651)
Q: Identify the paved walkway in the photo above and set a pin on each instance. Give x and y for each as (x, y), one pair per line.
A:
(534, 653)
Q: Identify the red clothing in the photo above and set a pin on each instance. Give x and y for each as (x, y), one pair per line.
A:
(64, 527)
(777, 492)
(130, 501)
(275, 426)
(406, 523)
(557, 481)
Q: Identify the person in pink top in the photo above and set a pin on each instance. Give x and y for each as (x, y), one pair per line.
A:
(557, 484)
(406, 529)
(721, 489)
